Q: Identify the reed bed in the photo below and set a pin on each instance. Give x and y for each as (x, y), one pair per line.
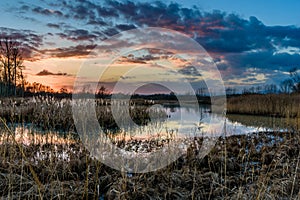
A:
(49, 113)
(279, 105)
(254, 166)
(57, 166)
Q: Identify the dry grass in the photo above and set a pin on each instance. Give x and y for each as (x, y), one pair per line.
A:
(255, 166)
(280, 105)
(49, 113)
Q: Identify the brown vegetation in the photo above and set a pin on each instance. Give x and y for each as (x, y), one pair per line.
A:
(254, 166)
(279, 105)
(257, 166)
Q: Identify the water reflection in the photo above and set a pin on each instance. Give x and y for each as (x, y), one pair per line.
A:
(234, 124)
(181, 122)
(266, 122)
(177, 122)
(28, 134)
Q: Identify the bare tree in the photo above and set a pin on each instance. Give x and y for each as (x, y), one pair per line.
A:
(286, 86)
(295, 78)
(270, 88)
(17, 67)
(11, 65)
(5, 47)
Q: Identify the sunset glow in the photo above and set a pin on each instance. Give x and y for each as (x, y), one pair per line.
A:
(59, 36)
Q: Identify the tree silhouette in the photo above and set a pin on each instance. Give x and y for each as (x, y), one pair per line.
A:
(10, 66)
(295, 77)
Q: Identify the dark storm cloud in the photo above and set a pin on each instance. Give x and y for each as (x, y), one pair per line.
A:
(125, 27)
(148, 56)
(25, 8)
(111, 31)
(47, 12)
(77, 35)
(190, 71)
(127, 77)
(285, 36)
(230, 33)
(285, 60)
(151, 14)
(27, 37)
(106, 12)
(139, 60)
(81, 12)
(261, 60)
(97, 22)
(131, 60)
(73, 51)
(51, 25)
(128, 8)
(217, 31)
(237, 42)
(28, 40)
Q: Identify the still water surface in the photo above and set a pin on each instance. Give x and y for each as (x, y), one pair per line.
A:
(180, 122)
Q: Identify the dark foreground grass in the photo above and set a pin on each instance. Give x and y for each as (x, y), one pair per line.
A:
(256, 166)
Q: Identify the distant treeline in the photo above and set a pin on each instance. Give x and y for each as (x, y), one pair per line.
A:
(278, 101)
(287, 86)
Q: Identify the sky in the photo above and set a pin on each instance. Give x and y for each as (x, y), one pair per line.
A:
(251, 43)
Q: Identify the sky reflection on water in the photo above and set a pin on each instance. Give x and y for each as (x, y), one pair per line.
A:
(180, 122)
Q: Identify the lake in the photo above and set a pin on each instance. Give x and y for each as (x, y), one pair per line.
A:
(234, 124)
(186, 121)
